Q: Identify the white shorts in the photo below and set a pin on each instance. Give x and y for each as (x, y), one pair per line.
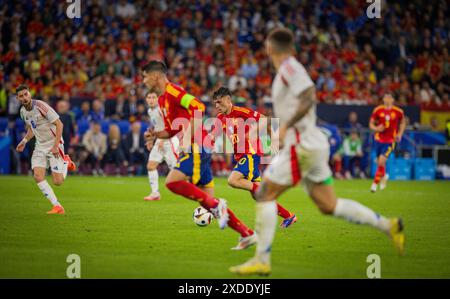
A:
(296, 163)
(42, 157)
(168, 152)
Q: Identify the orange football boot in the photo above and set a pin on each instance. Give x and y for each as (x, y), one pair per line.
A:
(56, 210)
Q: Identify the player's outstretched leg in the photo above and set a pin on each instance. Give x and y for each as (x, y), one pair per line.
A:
(354, 212)
(153, 180)
(46, 189)
(177, 183)
(266, 222)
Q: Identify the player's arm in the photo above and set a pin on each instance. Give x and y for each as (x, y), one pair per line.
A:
(377, 128)
(196, 109)
(28, 136)
(58, 134)
(401, 129)
(307, 98)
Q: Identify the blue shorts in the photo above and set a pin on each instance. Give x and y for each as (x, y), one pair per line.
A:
(384, 149)
(197, 166)
(248, 165)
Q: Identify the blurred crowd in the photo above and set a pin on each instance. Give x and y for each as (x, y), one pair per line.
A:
(353, 59)
(89, 67)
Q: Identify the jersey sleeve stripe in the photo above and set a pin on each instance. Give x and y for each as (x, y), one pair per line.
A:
(42, 106)
(172, 90)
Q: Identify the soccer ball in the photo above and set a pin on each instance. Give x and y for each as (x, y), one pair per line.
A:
(202, 217)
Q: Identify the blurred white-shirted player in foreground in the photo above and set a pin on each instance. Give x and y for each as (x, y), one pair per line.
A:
(160, 149)
(43, 123)
(303, 157)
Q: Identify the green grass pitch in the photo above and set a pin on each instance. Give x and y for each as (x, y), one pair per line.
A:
(119, 235)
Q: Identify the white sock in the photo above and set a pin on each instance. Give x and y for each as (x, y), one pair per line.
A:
(153, 179)
(65, 169)
(48, 192)
(360, 214)
(266, 222)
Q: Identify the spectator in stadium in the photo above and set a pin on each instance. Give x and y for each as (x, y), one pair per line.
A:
(125, 9)
(118, 109)
(95, 146)
(114, 153)
(85, 113)
(351, 154)
(98, 110)
(134, 145)
(352, 123)
(3, 99)
(68, 120)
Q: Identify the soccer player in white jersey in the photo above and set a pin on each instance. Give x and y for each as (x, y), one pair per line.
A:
(160, 149)
(44, 124)
(304, 155)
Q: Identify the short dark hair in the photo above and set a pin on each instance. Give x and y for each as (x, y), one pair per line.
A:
(155, 66)
(282, 39)
(150, 92)
(221, 92)
(21, 87)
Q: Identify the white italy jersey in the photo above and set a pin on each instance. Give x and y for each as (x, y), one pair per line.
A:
(290, 81)
(156, 118)
(40, 119)
(306, 151)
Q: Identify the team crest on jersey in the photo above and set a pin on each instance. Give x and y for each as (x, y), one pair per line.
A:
(392, 115)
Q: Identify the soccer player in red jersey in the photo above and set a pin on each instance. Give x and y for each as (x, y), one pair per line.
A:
(247, 156)
(192, 176)
(389, 124)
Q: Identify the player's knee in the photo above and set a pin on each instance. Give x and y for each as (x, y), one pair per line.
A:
(151, 166)
(58, 181)
(38, 177)
(326, 209)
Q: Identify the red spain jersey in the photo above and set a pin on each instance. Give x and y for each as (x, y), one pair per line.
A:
(239, 138)
(391, 119)
(178, 108)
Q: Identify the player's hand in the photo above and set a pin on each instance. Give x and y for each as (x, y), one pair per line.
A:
(21, 146)
(149, 134)
(380, 128)
(398, 138)
(55, 151)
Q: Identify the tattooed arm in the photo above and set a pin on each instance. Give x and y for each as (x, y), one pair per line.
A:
(306, 100)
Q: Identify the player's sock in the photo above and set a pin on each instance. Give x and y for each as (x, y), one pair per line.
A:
(381, 171)
(153, 179)
(254, 188)
(360, 214)
(238, 226)
(282, 212)
(48, 192)
(65, 169)
(193, 192)
(266, 222)
(338, 166)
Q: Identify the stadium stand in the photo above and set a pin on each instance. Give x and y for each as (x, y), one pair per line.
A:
(353, 60)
